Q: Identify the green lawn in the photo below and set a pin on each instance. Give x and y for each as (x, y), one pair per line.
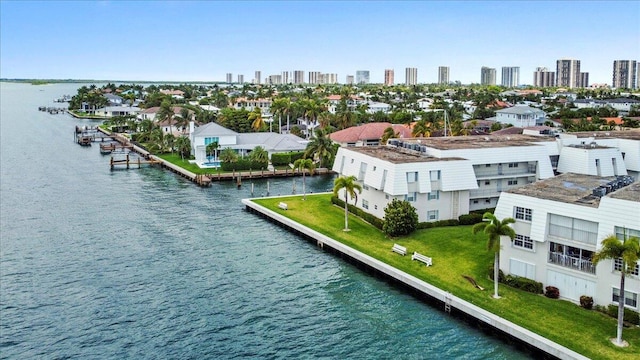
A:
(456, 252)
(177, 160)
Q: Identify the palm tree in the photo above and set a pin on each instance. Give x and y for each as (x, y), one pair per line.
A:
(256, 117)
(420, 129)
(301, 165)
(183, 145)
(279, 107)
(495, 229)
(228, 155)
(350, 185)
(628, 250)
(211, 149)
(320, 147)
(259, 154)
(165, 113)
(184, 119)
(388, 134)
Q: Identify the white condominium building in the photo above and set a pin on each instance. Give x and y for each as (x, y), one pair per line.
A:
(560, 223)
(447, 177)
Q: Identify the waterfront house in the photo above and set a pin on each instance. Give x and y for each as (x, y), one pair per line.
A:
(241, 143)
(560, 223)
(111, 111)
(367, 134)
(521, 116)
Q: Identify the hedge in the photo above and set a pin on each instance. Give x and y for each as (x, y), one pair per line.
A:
(243, 164)
(525, 284)
(630, 316)
(280, 159)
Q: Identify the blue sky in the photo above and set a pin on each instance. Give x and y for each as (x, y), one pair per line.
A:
(202, 41)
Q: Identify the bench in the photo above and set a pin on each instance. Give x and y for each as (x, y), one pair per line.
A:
(283, 206)
(399, 249)
(420, 257)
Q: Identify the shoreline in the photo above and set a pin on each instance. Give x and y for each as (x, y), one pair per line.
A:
(458, 307)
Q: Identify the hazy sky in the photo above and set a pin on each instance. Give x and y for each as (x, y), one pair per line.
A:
(202, 41)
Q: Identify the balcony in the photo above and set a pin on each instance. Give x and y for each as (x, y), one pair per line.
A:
(572, 262)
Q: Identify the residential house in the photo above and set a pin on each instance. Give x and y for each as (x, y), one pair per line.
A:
(111, 111)
(521, 116)
(241, 143)
(367, 134)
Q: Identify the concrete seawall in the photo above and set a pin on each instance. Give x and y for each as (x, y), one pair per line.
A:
(466, 309)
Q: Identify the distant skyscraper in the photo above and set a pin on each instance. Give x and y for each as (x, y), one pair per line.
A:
(298, 77)
(349, 80)
(240, 79)
(443, 74)
(285, 77)
(257, 77)
(314, 77)
(542, 77)
(388, 77)
(229, 78)
(487, 76)
(410, 76)
(510, 76)
(568, 73)
(625, 74)
(584, 79)
(362, 77)
(328, 78)
(274, 79)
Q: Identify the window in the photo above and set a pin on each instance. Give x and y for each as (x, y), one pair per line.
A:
(365, 187)
(375, 207)
(211, 140)
(487, 165)
(513, 165)
(523, 242)
(630, 298)
(475, 201)
(374, 168)
(617, 266)
(512, 182)
(434, 195)
(352, 161)
(434, 175)
(411, 196)
(432, 215)
(487, 182)
(487, 201)
(573, 229)
(412, 177)
(386, 196)
(365, 204)
(523, 213)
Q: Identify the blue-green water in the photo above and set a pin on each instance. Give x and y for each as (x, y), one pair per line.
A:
(144, 264)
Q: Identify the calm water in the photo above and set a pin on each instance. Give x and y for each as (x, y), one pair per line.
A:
(143, 264)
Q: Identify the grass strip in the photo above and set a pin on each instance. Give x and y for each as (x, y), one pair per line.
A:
(456, 252)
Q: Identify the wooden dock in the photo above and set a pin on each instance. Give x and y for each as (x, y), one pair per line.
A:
(128, 162)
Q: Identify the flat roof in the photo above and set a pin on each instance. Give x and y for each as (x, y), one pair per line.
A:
(633, 134)
(576, 189)
(479, 141)
(396, 155)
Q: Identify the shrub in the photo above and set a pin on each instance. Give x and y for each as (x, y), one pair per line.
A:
(280, 159)
(586, 302)
(552, 292)
(400, 218)
(522, 283)
(470, 219)
(243, 164)
(630, 316)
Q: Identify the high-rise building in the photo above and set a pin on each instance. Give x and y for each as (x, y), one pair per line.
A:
(298, 77)
(443, 74)
(285, 77)
(568, 73)
(388, 77)
(229, 78)
(410, 76)
(314, 77)
(487, 76)
(542, 77)
(510, 76)
(584, 79)
(349, 80)
(274, 79)
(362, 77)
(328, 79)
(625, 74)
(240, 79)
(256, 79)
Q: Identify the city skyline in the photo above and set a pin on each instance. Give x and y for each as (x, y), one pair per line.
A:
(203, 41)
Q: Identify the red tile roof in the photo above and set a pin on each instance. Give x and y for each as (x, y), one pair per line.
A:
(370, 131)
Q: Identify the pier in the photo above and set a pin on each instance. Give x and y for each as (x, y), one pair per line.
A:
(421, 289)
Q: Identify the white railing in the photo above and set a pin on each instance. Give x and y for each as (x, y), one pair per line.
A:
(572, 262)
